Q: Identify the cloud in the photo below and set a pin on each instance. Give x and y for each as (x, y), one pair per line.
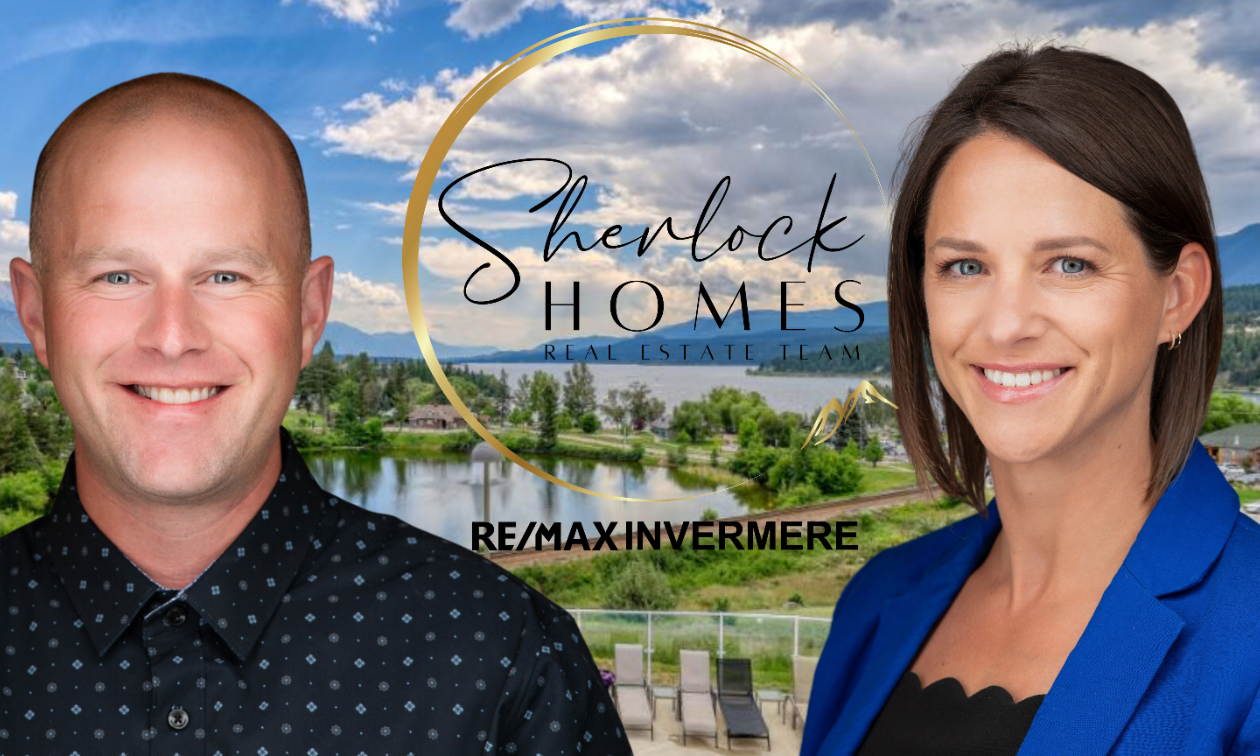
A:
(368, 305)
(365, 13)
(656, 121)
(478, 18)
(14, 235)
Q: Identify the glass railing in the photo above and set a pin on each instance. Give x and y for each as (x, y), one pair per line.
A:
(769, 640)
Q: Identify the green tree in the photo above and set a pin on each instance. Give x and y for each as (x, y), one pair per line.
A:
(749, 435)
(643, 408)
(317, 382)
(579, 390)
(547, 406)
(693, 418)
(589, 423)
(349, 404)
(1225, 410)
(18, 451)
(616, 410)
(523, 400)
(503, 397)
(873, 452)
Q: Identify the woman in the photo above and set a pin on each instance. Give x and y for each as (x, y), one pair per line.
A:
(1053, 255)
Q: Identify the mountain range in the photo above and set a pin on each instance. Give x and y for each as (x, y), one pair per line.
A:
(1239, 255)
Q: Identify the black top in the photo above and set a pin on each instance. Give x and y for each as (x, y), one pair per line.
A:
(942, 720)
(323, 629)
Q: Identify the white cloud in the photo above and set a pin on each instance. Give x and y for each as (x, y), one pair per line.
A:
(14, 235)
(365, 13)
(477, 18)
(368, 305)
(657, 120)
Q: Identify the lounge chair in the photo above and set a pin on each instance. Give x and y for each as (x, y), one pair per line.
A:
(739, 706)
(634, 697)
(802, 682)
(699, 713)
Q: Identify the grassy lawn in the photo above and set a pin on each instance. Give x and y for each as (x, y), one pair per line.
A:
(748, 581)
(1247, 495)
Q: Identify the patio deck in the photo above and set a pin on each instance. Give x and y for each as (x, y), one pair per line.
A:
(784, 741)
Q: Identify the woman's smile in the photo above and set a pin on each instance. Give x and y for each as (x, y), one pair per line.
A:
(1011, 387)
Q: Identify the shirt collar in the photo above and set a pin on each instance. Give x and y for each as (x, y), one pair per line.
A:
(1177, 545)
(236, 595)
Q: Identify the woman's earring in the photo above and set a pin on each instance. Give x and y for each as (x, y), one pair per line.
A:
(1174, 340)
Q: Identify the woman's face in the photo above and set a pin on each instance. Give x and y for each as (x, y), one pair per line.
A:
(1044, 315)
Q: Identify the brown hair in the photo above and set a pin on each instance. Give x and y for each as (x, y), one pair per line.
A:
(137, 100)
(1110, 125)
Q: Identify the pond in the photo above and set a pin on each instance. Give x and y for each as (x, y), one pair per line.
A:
(443, 492)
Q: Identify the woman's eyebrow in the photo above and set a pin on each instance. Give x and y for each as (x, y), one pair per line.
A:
(962, 245)
(1067, 242)
(1044, 245)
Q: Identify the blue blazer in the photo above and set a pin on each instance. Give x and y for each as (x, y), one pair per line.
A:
(1168, 663)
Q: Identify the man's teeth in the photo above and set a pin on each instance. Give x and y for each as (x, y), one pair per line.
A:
(175, 396)
(1021, 379)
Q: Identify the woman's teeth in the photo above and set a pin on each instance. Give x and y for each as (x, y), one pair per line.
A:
(175, 396)
(1021, 379)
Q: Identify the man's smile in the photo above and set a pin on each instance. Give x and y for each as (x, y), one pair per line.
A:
(176, 395)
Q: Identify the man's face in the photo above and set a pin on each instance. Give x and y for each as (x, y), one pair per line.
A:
(173, 304)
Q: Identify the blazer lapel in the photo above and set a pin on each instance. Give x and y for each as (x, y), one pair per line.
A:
(1106, 673)
(1131, 630)
(904, 623)
(1123, 646)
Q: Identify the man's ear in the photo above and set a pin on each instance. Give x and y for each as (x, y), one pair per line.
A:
(316, 300)
(28, 298)
(1187, 290)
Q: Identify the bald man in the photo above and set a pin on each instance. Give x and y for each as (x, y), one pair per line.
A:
(193, 590)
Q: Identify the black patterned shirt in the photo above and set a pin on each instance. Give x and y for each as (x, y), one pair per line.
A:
(323, 629)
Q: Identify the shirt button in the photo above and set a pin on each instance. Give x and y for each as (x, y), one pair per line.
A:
(177, 719)
(176, 615)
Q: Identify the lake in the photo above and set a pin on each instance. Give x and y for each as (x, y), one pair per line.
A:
(442, 493)
(805, 394)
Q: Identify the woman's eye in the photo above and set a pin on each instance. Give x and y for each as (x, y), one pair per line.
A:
(222, 277)
(966, 267)
(118, 278)
(1072, 265)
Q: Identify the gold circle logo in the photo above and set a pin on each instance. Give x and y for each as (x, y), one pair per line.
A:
(472, 102)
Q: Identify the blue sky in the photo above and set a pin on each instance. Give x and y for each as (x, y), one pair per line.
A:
(360, 86)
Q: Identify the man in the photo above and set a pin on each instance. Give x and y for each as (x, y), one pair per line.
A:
(193, 590)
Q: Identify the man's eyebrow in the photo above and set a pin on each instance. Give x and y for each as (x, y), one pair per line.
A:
(246, 255)
(92, 255)
(214, 256)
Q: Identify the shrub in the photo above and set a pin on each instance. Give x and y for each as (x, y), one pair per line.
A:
(801, 493)
(24, 490)
(640, 585)
(589, 423)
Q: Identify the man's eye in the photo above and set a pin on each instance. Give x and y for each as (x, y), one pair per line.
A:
(118, 278)
(224, 278)
(966, 267)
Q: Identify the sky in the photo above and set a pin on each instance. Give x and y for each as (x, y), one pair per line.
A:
(361, 86)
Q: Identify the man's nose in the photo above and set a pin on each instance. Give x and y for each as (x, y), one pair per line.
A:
(174, 323)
